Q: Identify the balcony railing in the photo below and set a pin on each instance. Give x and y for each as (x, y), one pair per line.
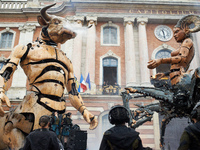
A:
(13, 5)
(109, 89)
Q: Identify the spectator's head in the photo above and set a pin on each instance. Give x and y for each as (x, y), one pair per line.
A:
(68, 114)
(118, 115)
(44, 121)
(195, 114)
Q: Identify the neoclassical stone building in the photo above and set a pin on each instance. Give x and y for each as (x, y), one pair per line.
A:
(115, 40)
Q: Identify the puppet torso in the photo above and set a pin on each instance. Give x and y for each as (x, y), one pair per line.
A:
(177, 68)
(47, 69)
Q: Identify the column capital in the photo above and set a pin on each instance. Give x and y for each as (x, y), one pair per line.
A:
(142, 21)
(91, 19)
(27, 27)
(22, 29)
(69, 18)
(129, 20)
(79, 19)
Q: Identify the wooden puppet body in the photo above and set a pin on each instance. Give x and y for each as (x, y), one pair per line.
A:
(49, 72)
(178, 69)
(47, 69)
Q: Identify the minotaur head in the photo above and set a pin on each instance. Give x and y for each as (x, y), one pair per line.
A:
(53, 27)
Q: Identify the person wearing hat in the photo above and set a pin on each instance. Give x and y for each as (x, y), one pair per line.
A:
(66, 127)
(190, 139)
(120, 137)
(42, 138)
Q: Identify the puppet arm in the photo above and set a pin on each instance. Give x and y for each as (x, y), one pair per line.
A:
(180, 58)
(7, 71)
(77, 102)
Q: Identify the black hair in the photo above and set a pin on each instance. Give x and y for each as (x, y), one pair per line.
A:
(68, 114)
(44, 120)
(118, 115)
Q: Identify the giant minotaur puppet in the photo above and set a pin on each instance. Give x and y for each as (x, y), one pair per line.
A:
(49, 72)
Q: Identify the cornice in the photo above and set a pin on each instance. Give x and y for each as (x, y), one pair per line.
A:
(143, 2)
(113, 10)
(61, 8)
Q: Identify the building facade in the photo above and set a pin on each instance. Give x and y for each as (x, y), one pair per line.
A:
(114, 42)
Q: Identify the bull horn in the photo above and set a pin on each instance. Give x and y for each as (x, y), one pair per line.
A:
(44, 14)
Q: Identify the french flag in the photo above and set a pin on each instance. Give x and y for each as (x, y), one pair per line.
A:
(82, 86)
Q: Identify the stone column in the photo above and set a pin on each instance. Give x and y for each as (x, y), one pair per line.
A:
(68, 46)
(26, 34)
(90, 49)
(77, 51)
(130, 52)
(143, 50)
(197, 50)
(195, 62)
(18, 88)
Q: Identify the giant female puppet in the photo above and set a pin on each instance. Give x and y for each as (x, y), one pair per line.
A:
(49, 72)
(178, 98)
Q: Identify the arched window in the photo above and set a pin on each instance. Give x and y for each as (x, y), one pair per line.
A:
(109, 35)
(110, 66)
(164, 53)
(6, 40)
(104, 61)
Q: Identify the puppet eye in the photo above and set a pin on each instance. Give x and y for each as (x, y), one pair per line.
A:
(56, 21)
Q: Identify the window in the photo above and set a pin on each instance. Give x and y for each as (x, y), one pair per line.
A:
(110, 62)
(110, 66)
(6, 40)
(109, 35)
(7, 37)
(165, 53)
(115, 62)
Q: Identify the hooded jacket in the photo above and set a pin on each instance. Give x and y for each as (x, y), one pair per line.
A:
(190, 139)
(120, 137)
(41, 139)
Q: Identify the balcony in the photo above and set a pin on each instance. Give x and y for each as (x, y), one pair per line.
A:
(13, 5)
(109, 89)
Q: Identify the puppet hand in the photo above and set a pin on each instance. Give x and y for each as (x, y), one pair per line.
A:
(154, 63)
(91, 119)
(3, 98)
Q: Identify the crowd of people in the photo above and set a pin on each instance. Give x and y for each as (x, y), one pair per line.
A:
(55, 130)
(53, 134)
(62, 125)
(43, 138)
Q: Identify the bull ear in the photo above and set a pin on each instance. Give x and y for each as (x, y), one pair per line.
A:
(41, 21)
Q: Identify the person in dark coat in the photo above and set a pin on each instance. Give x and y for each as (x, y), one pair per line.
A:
(43, 138)
(190, 139)
(120, 137)
(67, 120)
